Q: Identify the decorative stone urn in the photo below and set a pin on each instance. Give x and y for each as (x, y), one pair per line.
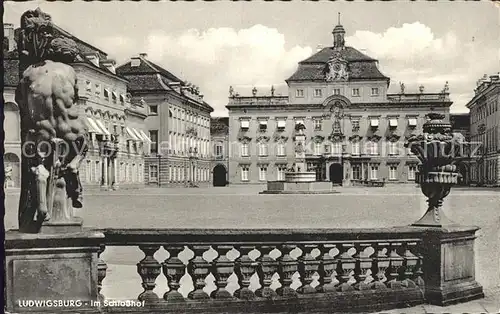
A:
(438, 149)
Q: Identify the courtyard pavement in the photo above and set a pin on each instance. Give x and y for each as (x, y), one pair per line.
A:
(242, 207)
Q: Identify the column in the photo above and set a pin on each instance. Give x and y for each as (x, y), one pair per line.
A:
(115, 173)
(105, 173)
(363, 171)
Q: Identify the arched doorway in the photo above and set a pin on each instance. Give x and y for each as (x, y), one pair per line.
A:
(336, 173)
(12, 170)
(219, 175)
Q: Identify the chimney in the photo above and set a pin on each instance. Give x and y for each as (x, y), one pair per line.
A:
(135, 62)
(8, 32)
(93, 57)
(176, 86)
(143, 55)
(494, 77)
(319, 47)
(110, 65)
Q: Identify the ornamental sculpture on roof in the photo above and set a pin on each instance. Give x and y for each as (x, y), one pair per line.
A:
(337, 68)
(54, 140)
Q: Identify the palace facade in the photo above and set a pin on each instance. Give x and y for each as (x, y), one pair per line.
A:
(118, 141)
(355, 129)
(484, 131)
(219, 137)
(178, 123)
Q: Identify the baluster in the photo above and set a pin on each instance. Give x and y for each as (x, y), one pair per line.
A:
(149, 269)
(418, 274)
(380, 265)
(327, 266)
(268, 266)
(101, 272)
(363, 264)
(307, 267)
(346, 266)
(222, 268)
(198, 268)
(396, 261)
(245, 268)
(410, 264)
(286, 269)
(173, 269)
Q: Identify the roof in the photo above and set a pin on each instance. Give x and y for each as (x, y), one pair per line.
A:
(147, 67)
(360, 66)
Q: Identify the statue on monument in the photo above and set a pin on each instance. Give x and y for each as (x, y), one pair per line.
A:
(54, 140)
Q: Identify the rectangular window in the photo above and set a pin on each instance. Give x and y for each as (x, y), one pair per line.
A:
(88, 86)
(393, 122)
(412, 122)
(153, 136)
(355, 92)
(244, 173)
(374, 172)
(153, 110)
(245, 124)
(317, 148)
(262, 126)
(218, 150)
(318, 92)
(336, 91)
(328, 149)
(337, 149)
(281, 124)
(374, 122)
(374, 91)
(262, 173)
(153, 173)
(411, 172)
(281, 173)
(244, 150)
(317, 124)
(263, 149)
(393, 148)
(281, 149)
(356, 172)
(299, 93)
(355, 148)
(393, 172)
(374, 148)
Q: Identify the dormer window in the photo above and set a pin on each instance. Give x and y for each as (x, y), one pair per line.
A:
(299, 93)
(106, 93)
(122, 99)
(262, 125)
(245, 124)
(114, 96)
(412, 122)
(393, 122)
(318, 92)
(135, 62)
(374, 91)
(355, 92)
(374, 122)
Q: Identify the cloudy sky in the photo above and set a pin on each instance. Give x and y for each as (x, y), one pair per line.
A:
(245, 44)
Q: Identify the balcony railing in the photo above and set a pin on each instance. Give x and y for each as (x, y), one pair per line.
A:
(344, 269)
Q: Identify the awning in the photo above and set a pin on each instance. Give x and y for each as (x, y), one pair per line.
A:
(137, 134)
(245, 124)
(131, 135)
(92, 126)
(393, 122)
(374, 122)
(102, 127)
(281, 123)
(145, 137)
(412, 122)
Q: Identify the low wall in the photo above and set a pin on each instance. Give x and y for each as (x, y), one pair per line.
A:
(298, 186)
(300, 176)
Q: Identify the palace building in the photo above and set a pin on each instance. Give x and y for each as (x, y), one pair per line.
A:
(118, 141)
(484, 128)
(178, 123)
(355, 129)
(219, 137)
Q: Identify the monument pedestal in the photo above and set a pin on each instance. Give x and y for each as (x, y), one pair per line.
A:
(58, 271)
(449, 266)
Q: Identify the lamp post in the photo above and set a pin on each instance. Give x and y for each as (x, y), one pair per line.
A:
(159, 168)
(438, 149)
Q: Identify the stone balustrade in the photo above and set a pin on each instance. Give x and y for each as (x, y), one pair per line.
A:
(318, 269)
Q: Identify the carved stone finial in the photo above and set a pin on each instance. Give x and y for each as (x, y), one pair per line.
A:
(421, 89)
(272, 90)
(402, 87)
(254, 91)
(231, 91)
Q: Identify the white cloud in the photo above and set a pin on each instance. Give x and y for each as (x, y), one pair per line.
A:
(414, 55)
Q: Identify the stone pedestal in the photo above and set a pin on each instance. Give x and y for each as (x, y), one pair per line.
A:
(59, 271)
(449, 265)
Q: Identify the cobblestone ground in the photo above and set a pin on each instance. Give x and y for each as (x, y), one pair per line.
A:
(243, 207)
